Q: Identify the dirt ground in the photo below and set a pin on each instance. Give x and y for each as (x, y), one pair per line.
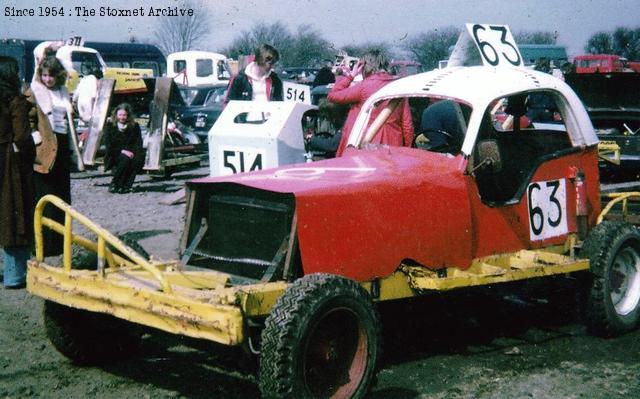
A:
(484, 344)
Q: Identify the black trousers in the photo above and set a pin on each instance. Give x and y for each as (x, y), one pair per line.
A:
(124, 172)
(56, 182)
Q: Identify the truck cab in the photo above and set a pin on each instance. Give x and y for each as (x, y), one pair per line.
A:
(601, 63)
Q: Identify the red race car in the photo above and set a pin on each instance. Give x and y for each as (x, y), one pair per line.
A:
(290, 262)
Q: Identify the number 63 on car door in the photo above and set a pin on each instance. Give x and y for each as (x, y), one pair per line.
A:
(547, 206)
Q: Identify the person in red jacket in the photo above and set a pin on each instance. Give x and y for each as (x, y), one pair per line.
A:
(398, 129)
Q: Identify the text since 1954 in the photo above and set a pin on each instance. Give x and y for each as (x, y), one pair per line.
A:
(82, 11)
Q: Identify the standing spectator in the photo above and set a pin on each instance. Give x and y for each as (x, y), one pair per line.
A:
(325, 75)
(17, 152)
(125, 154)
(49, 117)
(85, 94)
(258, 81)
(398, 129)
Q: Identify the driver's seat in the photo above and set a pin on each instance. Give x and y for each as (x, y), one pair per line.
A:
(443, 124)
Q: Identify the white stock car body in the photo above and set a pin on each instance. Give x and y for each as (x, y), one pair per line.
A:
(251, 135)
(479, 87)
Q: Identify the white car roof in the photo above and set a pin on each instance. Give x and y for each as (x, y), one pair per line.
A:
(196, 54)
(479, 86)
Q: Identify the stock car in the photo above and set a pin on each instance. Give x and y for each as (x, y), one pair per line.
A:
(204, 104)
(291, 262)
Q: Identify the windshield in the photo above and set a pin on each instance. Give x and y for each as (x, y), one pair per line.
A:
(215, 96)
(84, 63)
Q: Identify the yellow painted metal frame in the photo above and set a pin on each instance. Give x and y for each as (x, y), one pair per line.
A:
(196, 303)
(609, 151)
(525, 264)
(203, 303)
(619, 198)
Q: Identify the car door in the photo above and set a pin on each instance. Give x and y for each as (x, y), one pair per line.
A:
(528, 198)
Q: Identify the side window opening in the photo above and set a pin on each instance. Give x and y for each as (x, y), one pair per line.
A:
(84, 63)
(179, 66)
(148, 65)
(429, 123)
(442, 126)
(521, 131)
(204, 67)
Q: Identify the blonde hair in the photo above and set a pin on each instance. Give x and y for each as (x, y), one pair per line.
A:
(266, 53)
(54, 68)
(375, 61)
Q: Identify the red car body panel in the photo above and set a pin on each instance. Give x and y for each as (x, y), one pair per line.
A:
(361, 215)
(506, 228)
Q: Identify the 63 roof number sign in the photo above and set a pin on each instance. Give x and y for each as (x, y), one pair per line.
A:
(495, 44)
(239, 160)
(547, 209)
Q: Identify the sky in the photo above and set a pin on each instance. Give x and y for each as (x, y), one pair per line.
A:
(341, 22)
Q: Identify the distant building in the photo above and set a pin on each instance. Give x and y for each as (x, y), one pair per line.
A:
(533, 52)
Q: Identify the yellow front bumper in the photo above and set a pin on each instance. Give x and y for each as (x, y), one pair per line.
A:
(199, 305)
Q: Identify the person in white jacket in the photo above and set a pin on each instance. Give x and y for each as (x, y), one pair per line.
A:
(84, 96)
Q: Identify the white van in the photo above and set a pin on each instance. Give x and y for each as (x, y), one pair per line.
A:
(194, 68)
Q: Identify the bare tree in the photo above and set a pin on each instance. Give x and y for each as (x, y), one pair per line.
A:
(599, 43)
(305, 48)
(536, 37)
(275, 34)
(183, 33)
(358, 50)
(623, 41)
(309, 48)
(626, 42)
(431, 47)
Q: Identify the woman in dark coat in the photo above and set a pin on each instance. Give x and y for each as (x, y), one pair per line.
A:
(125, 154)
(17, 153)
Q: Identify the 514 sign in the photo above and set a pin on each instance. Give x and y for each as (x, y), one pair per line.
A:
(495, 44)
(239, 160)
(296, 92)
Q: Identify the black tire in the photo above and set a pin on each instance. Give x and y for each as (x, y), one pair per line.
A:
(89, 338)
(84, 259)
(322, 339)
(612, 300)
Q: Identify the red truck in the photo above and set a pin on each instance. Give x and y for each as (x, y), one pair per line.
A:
(604, 63)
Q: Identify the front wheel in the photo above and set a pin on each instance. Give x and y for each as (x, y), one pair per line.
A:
(89, 338)
(322, 339)
(613, 297)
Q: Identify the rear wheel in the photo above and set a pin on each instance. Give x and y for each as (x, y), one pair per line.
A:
(320, 340)
(613, 298)
(89, 338)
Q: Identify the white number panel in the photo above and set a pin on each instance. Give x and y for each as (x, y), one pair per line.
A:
(296, 92)
(232, 160)
(496, 44)
(547, 202)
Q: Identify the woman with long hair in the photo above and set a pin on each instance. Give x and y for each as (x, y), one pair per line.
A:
(125, 154)
(17, 152)
(398, 129)
(49, 115)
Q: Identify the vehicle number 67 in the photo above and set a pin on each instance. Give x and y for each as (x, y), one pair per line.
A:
(547, 202)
